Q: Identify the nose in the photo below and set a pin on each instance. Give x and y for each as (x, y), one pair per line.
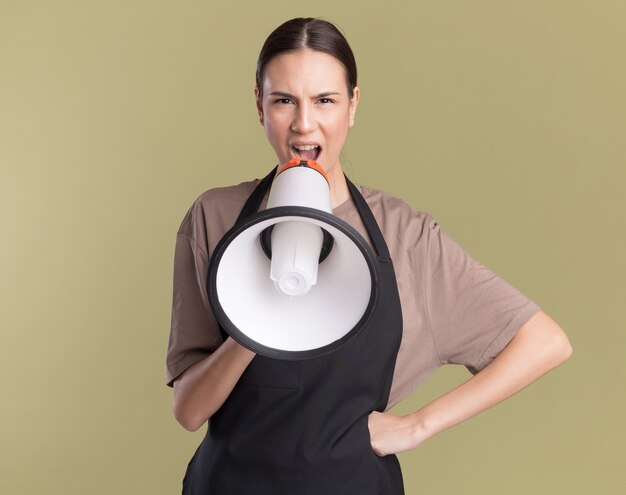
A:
(303, 119)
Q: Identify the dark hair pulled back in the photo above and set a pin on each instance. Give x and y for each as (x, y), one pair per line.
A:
(312, 33)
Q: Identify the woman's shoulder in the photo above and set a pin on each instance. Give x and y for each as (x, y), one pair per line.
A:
(226, 195)
(216, 208)
(390, 208)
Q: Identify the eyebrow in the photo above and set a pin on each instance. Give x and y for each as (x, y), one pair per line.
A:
(320, 95)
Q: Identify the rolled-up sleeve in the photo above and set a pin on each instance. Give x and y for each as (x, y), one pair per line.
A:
(194, 332)
(473, 313)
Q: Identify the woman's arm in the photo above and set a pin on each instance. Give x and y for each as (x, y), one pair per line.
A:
(538, 346)
(203, 387)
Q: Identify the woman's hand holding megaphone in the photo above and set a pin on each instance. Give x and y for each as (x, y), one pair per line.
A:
(203, 387)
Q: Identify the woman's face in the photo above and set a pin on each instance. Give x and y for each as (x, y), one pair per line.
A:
(305, 109)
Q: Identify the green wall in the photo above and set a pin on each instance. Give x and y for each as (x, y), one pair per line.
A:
(505, 120)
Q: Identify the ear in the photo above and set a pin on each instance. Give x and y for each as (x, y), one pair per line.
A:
(259, 104)
(354, 102)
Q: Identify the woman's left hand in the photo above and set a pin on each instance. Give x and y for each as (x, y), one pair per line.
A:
(389, 434)
(538, 346)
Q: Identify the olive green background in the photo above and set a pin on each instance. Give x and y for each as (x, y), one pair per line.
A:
(505, 120)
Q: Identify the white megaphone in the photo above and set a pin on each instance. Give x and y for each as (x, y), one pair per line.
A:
(293, 281)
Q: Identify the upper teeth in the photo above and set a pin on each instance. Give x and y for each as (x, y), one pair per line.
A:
(306, 147)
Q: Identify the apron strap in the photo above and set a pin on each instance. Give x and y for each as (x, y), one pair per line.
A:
(370, 222)
(255, 199)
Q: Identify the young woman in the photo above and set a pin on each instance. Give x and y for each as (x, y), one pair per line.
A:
(319, 426)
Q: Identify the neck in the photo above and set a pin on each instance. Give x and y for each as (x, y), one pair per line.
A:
(339, 192)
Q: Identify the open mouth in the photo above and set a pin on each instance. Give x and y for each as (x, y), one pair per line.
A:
(307, 152)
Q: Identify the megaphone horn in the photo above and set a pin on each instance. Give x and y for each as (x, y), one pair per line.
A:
(293, 281)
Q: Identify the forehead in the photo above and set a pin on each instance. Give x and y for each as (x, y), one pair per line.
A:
(304, 70)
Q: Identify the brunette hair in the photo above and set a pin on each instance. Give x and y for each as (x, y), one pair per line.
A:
(312, 33)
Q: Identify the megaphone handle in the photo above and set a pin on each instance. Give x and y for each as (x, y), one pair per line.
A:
(256, 198)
